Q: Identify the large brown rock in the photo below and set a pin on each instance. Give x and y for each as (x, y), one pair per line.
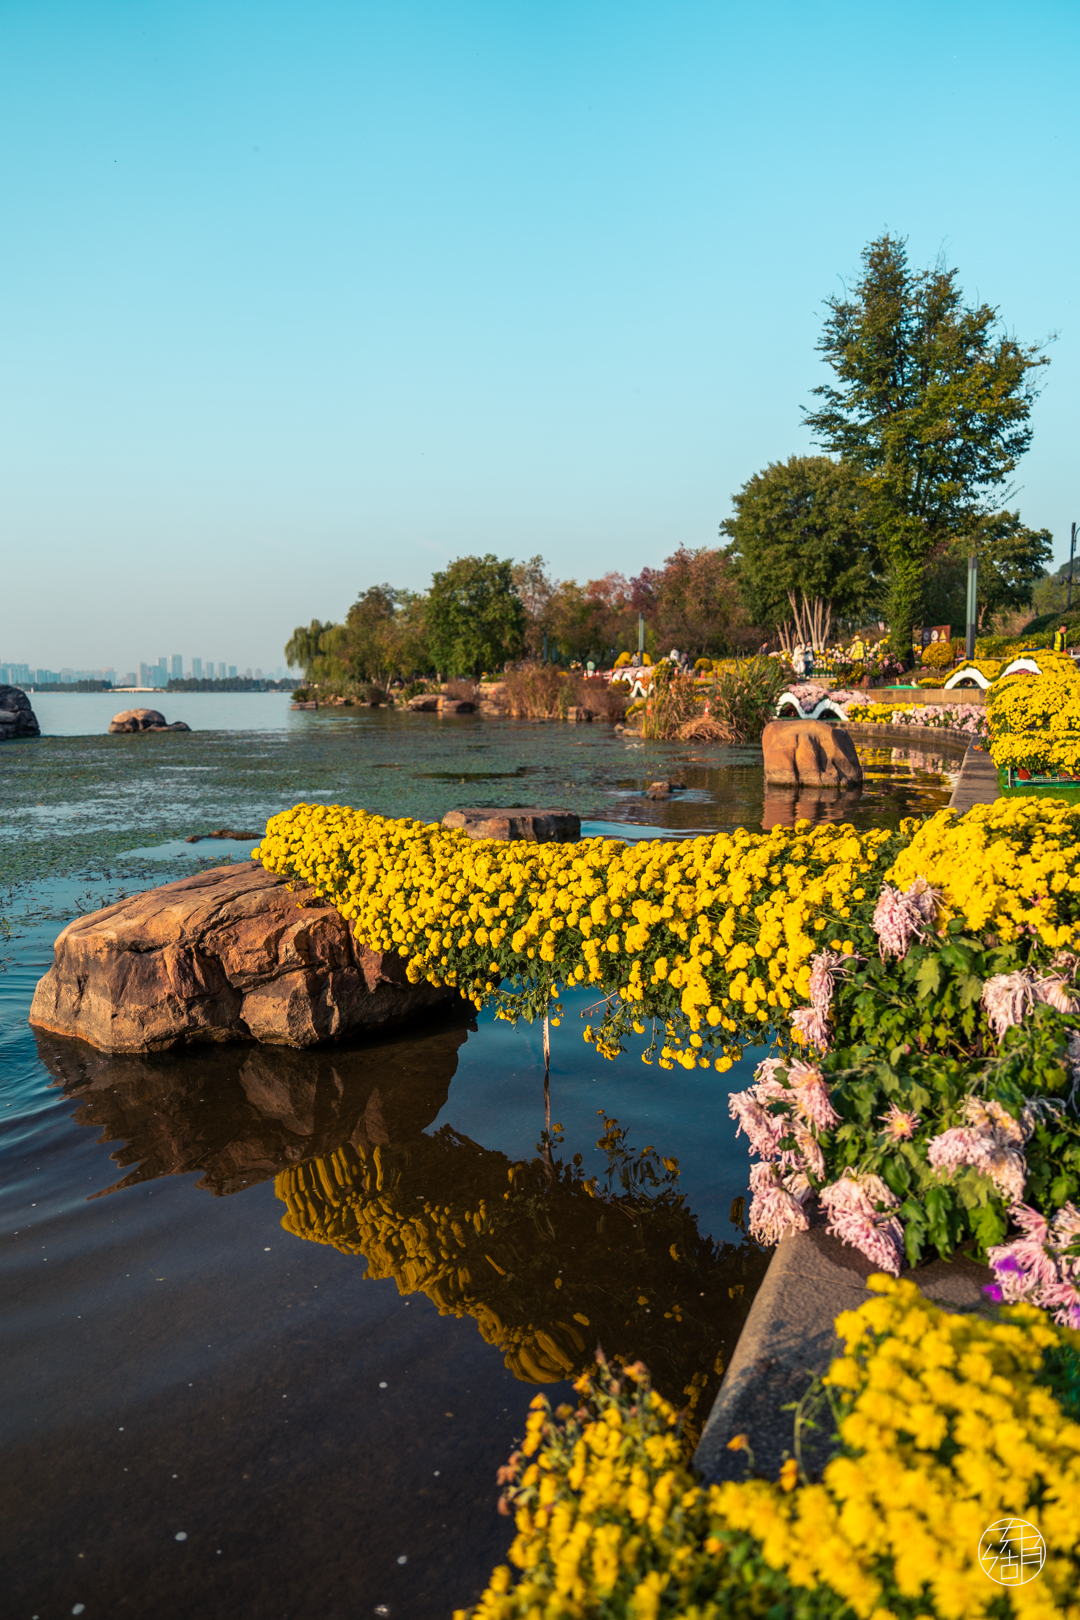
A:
(230, 954)
(537, 825)
(144, 720)
(17, 718)
(809, 753)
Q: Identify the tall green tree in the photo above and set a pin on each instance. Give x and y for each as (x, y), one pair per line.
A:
(930, 408)
(801, 525)
(384, 635)
(475, 618)
(304, 646)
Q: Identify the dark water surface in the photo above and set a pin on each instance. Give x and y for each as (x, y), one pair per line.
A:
(209, 1413)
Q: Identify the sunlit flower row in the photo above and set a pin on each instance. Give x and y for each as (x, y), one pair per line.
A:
(947, 1424)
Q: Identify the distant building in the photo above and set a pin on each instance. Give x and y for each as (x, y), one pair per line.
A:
(232, 672)
(177, 668)
(196, 669)
(221, 672)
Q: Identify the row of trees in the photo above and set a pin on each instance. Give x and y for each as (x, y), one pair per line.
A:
(923, 423)
(483, 612)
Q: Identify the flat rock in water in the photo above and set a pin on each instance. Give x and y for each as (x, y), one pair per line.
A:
(449, 705)
(144, 720)
(17, 718)
(230, 954)
(537, 825)
(809, 753)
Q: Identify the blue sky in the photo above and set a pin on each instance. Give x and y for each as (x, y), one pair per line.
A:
(296, 298)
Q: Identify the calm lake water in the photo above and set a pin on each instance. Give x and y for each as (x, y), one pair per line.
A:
(258, 1358)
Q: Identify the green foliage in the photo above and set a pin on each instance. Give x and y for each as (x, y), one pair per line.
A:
(801, 525)
(1011, 559)
(914, 1034)
(304, 646)
(475, 618)
(743, 696)
(930, 409)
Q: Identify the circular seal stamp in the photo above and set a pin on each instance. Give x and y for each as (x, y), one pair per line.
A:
(1011, 1551)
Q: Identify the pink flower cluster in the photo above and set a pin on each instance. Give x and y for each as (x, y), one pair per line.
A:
(990, 1142)
(860, 1209)
(787, 1103)
(778, 1204)
(969, 717)
(1043, 1265)
(813, 1022)
(1008, 997)
(900, 918)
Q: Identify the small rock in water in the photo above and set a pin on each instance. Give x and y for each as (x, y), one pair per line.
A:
(663, 790)
(144, 720)
(17, 718)
(224, 832)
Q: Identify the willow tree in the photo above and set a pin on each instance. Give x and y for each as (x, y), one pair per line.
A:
(930, 408)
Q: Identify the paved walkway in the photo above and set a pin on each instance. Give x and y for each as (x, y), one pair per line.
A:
(978, 781)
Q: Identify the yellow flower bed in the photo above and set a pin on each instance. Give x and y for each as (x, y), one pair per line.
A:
(990, 668)
(946, 1427)
(1011, 866)
(1035, 719)
(713, 934)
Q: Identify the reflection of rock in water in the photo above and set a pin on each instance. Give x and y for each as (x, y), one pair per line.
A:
(548, 1266)
(241, 1113)
(783, 807)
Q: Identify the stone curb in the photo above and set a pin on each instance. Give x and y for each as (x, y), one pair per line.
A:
(921, 737)
(977, 783)
(789, 1339)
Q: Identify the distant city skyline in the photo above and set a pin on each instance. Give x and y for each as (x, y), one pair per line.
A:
(157, 674)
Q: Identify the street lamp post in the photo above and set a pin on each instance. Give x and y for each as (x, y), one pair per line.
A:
(972, 604)
(1072, 553)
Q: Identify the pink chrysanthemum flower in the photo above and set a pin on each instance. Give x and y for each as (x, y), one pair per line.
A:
(1055, 992)
(776, 1207)
(990, 1142)
(1007, 997)
(900, 1123)
(1065, 1227)
(860, 1213)
(812, 1096)
(825, 968)
(1042, 1266)
(763, 1130)
(813, 1026)
(900, 918)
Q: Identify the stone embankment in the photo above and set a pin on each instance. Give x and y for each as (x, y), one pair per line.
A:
(144, 720)
(17, 718)
(229, 954)
(789, 1339)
